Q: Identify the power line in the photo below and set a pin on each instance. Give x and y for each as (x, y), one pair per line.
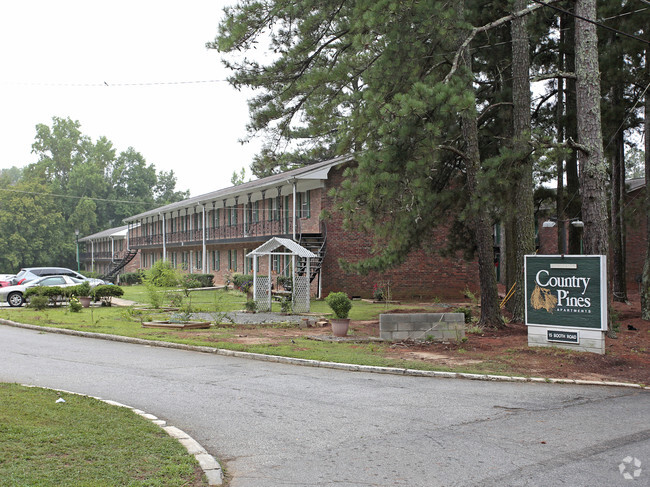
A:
(38, 193)
(599, 24)
(105, 84)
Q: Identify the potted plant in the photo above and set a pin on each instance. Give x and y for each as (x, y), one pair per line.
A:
(340, 305)
(83, 293)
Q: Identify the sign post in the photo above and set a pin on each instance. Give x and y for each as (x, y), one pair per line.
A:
(566, 301)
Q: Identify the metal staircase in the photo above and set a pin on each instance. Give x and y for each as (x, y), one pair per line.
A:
(317, 244)
(118, 265)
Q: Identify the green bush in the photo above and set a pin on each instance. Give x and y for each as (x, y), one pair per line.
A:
(238, 280)
(162, 274)
(54, 294)
(286, 282)
(106, 292)
(466, 311)
(206, 280)
(38, 302)
(132, 278)
(340, 304)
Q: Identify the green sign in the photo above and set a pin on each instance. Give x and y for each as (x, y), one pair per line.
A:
(566, 291)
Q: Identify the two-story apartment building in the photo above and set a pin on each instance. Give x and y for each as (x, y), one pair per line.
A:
(213, 233)
(107, 252)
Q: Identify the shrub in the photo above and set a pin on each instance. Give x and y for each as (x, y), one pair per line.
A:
(82, 289)
(239, 279)
(251, 306)
(205, 280)
(130, 278)
(162, 274)
(286, 282)
(54, 294)
(38, 302)
(340, 304)
(285, 305)
(75, 305)
(466, 311)
(106, 292)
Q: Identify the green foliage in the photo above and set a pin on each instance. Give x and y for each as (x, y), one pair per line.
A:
(466, 311)
(154, 295)
(238, 280)
(106, 292)
(75, 305)
(340, 304)
(188, 282)
(205, 280)
(251, 306)
(38, 302)
(285, 305)
(285, 282)
(82, 289)
(162, 274)
(38, 229)
(131, 278)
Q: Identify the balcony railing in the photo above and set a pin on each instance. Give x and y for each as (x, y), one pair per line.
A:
(226, 232)
(101, 255)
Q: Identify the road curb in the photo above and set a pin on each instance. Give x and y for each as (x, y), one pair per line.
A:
(317, 363)
(210, 466)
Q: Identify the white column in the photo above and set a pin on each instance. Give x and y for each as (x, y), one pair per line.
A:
(205, 254)
(164, 239)
(293, 230)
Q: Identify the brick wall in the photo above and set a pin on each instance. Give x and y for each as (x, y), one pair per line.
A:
(424, 274)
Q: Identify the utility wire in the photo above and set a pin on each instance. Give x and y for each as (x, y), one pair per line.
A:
(599, 24)
(37, 193)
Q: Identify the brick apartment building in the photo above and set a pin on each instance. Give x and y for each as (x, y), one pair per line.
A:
(213, 233)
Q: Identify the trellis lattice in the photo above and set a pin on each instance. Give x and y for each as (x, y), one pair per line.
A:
(300, 302)
(262, 293)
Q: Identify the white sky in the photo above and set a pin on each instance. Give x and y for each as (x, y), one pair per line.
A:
(192, 129)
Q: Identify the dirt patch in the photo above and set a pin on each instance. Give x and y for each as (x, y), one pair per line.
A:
(503, 352)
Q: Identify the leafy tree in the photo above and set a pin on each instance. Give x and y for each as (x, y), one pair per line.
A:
(32, 229)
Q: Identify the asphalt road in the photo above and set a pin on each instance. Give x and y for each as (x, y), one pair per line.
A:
(280, 425)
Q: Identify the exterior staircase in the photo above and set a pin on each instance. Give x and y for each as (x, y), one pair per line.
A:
(118, 265)
(317, 244)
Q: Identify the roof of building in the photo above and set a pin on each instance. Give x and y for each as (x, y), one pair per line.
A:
(276, 242)
(111, 232)
(634, 184)
(318, 170)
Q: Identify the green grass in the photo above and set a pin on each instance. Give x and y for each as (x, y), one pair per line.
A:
(127, 322)
(205, 300)
(84, 442)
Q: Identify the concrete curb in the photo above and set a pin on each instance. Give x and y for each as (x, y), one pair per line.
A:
(211, 467)
(316, 363)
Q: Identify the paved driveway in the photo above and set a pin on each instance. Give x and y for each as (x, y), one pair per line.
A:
(281, 425)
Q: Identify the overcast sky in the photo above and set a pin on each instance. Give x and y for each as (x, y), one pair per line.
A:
(47, 47)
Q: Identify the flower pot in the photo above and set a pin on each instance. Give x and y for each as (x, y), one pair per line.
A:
(85, 301)
(340, 327)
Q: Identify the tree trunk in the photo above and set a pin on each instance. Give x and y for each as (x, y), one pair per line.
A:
(524, 225)
(572, 206)
(619, 287)
(480, 220)
(645, 280)
(593, 172)
(560, 122)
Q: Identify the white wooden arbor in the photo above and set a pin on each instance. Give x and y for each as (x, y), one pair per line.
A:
(300, 290)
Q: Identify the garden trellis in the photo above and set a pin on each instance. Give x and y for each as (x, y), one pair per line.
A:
(300, 289)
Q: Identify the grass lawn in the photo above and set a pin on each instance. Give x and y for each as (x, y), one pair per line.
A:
(127, 322)
(85, 442)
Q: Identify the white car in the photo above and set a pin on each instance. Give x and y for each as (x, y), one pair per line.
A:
(15, 294)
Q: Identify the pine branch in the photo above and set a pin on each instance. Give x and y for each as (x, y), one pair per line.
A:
(559, 74)
(477, 30)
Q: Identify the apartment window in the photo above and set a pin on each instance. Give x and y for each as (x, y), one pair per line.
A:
(269, 208)
(232, 259)
(303, 206)
(217, 217)
(256, 211)
(198, 259)
(232, 216)
(216, 260)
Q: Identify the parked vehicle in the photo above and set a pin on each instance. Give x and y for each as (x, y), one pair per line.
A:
(15, 294)
(30, 273)
(5, 279)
